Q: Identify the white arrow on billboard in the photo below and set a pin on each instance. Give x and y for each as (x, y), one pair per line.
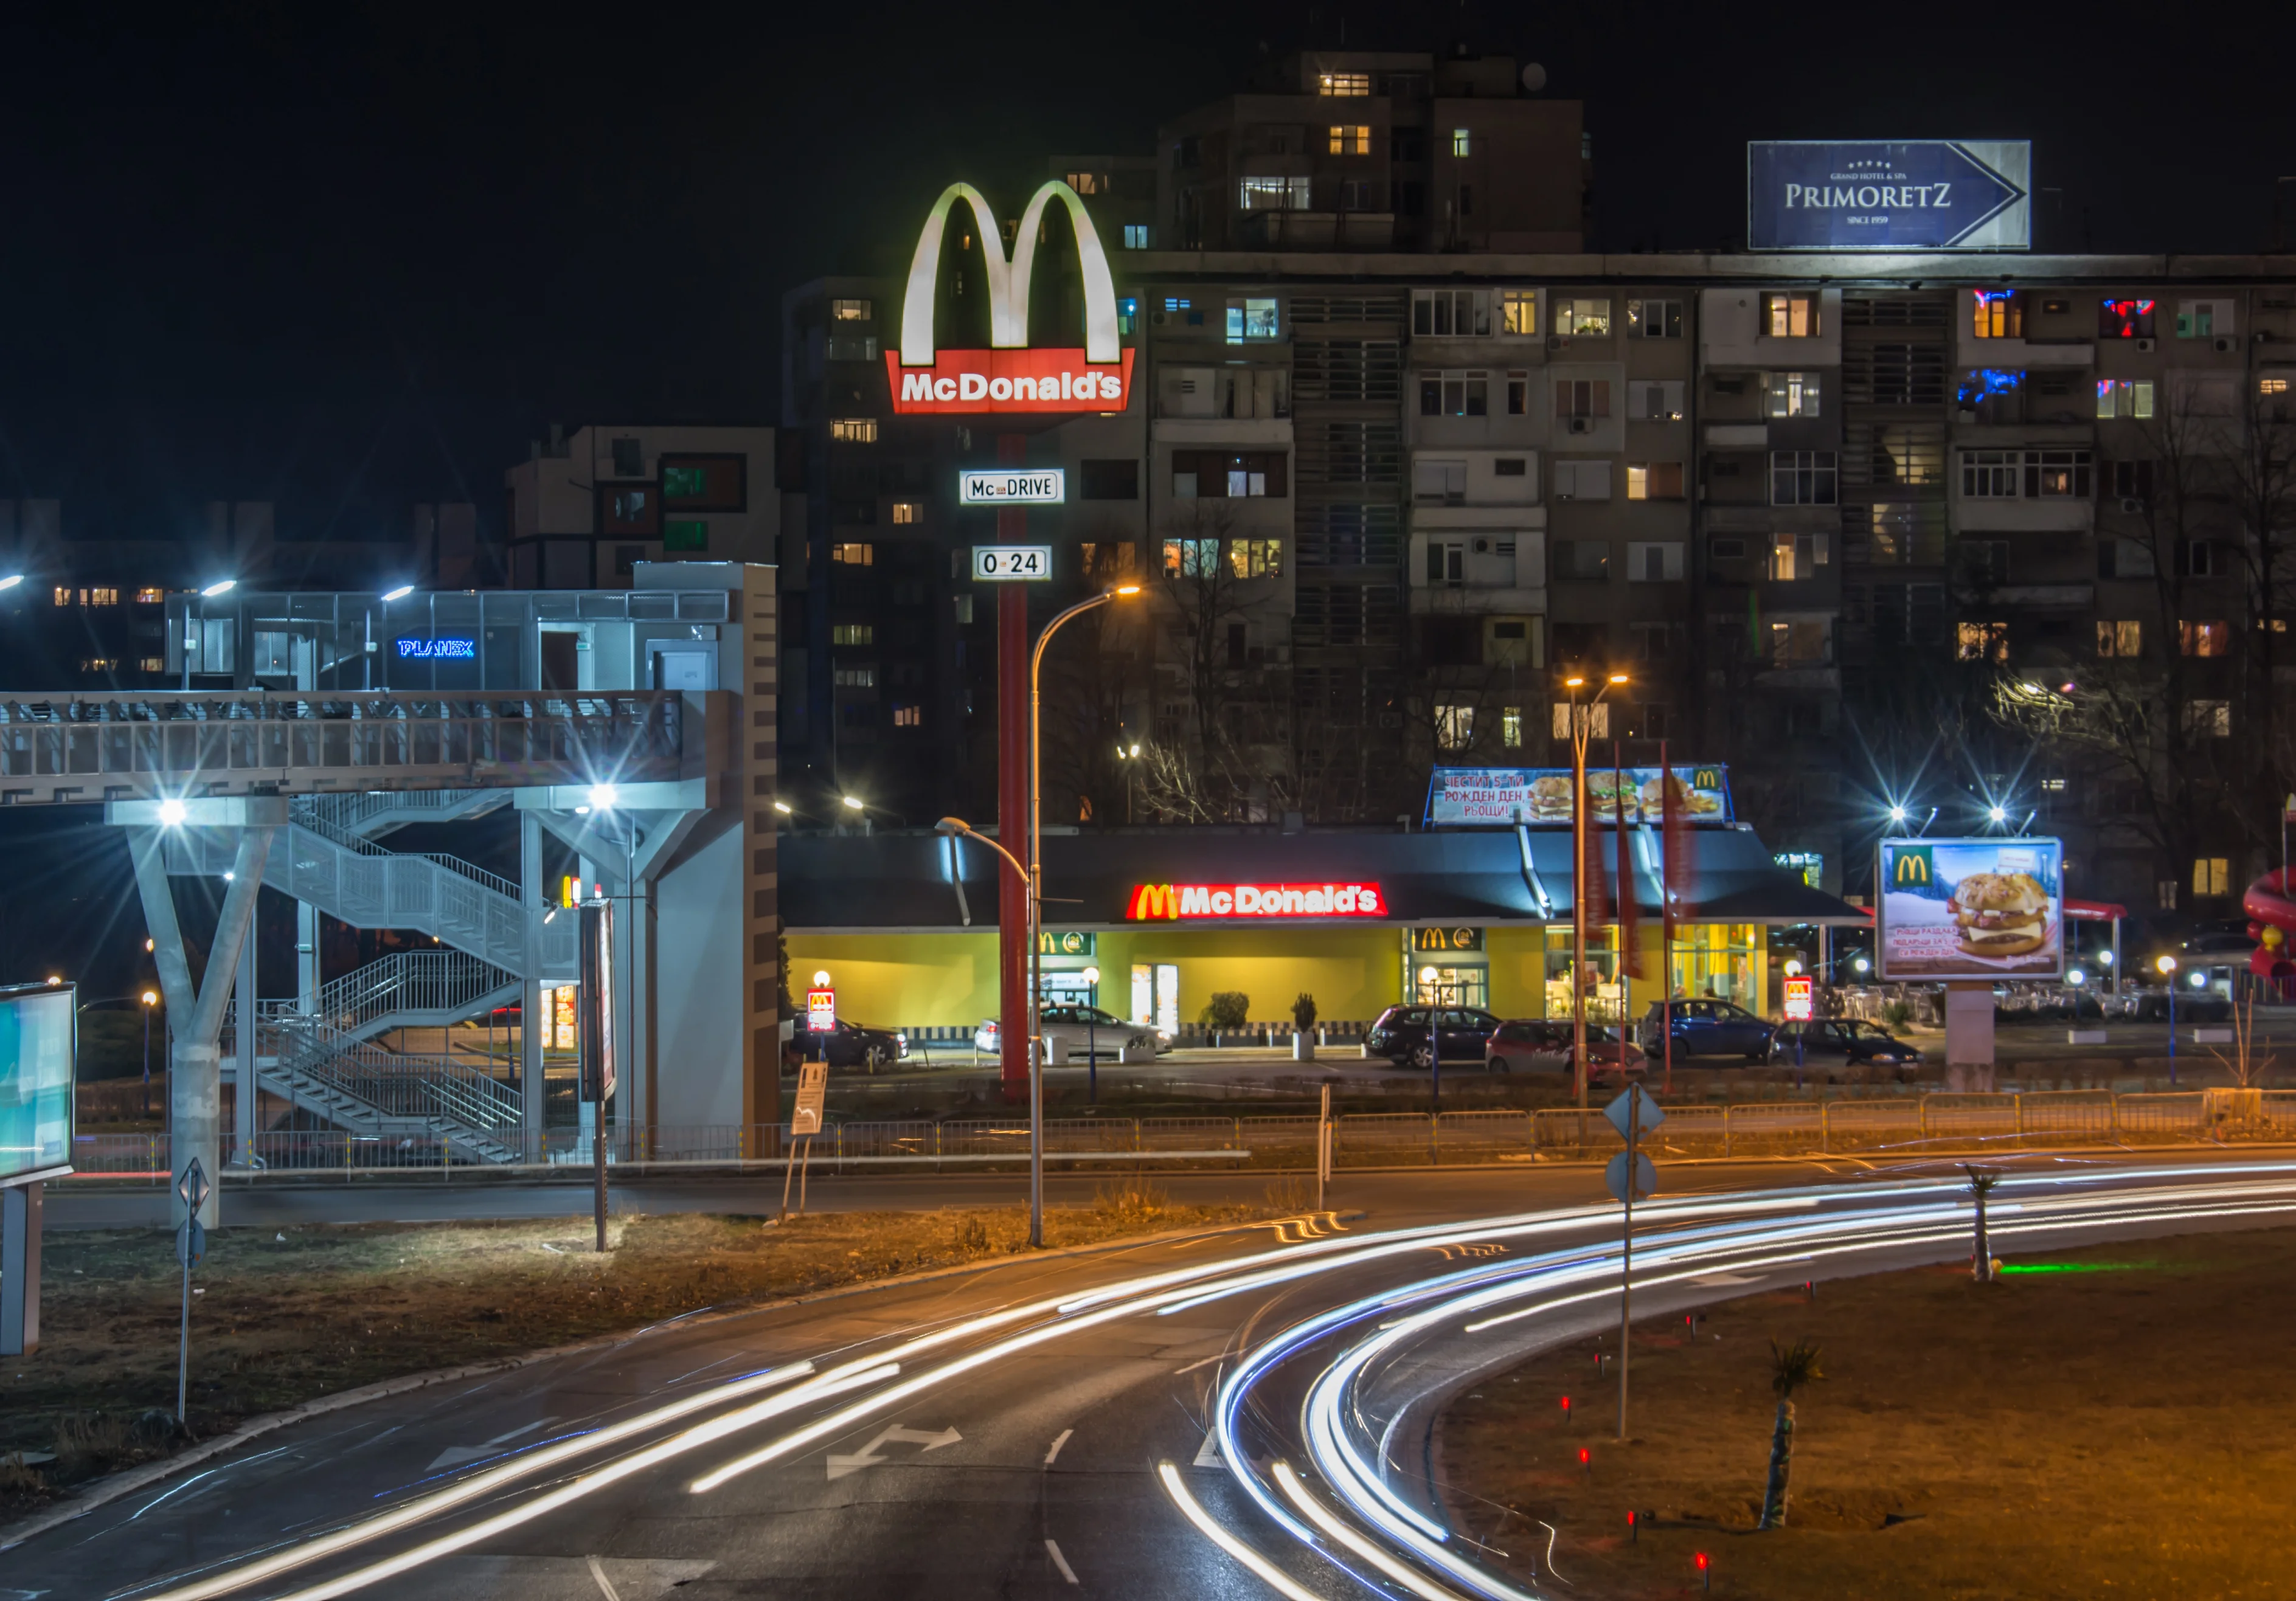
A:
(867, 1456)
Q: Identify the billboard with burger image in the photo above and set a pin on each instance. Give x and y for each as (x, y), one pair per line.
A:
(1971, 909)
(1506, 795)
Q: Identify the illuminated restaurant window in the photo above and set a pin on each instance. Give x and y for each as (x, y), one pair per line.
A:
(854, 430)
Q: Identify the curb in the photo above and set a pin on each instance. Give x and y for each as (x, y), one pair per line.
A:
(102, 1493)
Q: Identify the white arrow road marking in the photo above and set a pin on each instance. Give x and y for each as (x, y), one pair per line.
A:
(867, 1456)
(1208, 1454)
(455, 1455)
(1055, 1451)
(1711, 1279)
(1053, 1550)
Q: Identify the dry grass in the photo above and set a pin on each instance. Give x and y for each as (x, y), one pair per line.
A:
(2054, 1435)
(285, 1318)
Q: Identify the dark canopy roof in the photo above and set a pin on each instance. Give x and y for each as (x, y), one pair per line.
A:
(906, 880)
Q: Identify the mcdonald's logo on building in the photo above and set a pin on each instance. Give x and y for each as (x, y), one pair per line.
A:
(1911, 867)
(1151, 902)
(1154, 901)
(1011, 376)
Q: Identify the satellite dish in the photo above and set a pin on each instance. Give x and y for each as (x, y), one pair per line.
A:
(1534, 78)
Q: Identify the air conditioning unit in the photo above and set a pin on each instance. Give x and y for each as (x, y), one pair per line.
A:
(2145, 346)
(1582, 425)
(1482, 547)
(1554, 341)
(2131, 504)
(2224, 347)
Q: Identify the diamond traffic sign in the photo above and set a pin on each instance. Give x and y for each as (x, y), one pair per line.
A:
(1646, 1114)
(193, 1186)
(1645, 1174)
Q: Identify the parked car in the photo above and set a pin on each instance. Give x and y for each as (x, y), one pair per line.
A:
(1400, 1034)
(1708, 1028)
(1539, 1045)
(1071, 1032)
(1849, 1040)
(849, 1045)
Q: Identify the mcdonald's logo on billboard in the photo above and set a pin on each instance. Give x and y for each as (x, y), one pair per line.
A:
(1911, 867)
(1011, 376)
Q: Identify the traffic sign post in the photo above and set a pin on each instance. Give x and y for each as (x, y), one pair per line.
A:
(191, 1249)
(805, 1123)
(1632, 1113)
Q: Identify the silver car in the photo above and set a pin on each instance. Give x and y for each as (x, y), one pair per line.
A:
(1073, 1032)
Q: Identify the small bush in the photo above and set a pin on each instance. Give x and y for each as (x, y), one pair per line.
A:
(90, 1445)
(1293, 1192)
(1896, 1014)
(1303, 1012)
(1130, 1204)
(1228, 1009)
(972, 1236)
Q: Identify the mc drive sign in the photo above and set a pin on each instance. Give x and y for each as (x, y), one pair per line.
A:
(1903, 194)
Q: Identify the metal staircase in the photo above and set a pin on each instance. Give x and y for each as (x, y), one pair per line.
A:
(408, 989)
(372, 814)
(365, 1090)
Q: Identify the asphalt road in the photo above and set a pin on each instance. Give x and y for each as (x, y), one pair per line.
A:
(1004, 1432)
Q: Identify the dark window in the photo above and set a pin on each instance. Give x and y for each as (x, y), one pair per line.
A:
(2133, 480)
(628, 512)
(629, 460)
(684, 534)
(1218, 475)
(1111, 480)
(1238, 654)
(626, 558)
(1509, 467)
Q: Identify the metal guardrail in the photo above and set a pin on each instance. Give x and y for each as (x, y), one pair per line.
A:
(1939, 1125)
(146, 744)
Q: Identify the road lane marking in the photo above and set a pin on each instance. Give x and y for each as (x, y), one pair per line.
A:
(1053, 1550)
(867, 1456)
(1055, 1451)
(1207, 1362)
(455, 1455)
(1208, 1454)
(605, 1584)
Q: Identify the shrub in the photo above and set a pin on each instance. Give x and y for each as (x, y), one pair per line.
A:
(1303, 1012)
(1228, 1008)
(1896, 1014)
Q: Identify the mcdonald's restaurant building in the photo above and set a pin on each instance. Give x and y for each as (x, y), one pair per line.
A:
(1149, 924)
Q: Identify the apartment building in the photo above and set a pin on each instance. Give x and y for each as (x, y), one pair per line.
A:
(585, 509)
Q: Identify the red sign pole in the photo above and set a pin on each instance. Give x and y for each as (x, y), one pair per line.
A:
(1012, 797)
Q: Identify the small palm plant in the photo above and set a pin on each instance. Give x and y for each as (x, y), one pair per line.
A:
(1791, 1367)
(1981, 1185)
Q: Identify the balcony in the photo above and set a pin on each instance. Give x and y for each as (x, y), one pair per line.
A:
(1315, 231)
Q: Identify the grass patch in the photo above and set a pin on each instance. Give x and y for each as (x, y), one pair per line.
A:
(2084, 1429)
(284, 1318)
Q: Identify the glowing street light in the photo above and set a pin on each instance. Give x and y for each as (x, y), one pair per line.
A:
(1997, 813)
(222, 587)
(11, 581)
(821, 979)
(783, 807)
(603, 798)
(1897, 814)
(854, 805)
(2167, 964)
(400, 594)
(172, 812)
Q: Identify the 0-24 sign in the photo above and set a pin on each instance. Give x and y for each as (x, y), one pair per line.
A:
(1012, 563)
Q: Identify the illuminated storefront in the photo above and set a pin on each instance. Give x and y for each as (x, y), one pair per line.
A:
(1150, 924)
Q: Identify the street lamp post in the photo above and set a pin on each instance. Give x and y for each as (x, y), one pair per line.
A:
(1092, 1038)
(2168, 965)
(1034, 872)
(1582, 721)
(953, 827)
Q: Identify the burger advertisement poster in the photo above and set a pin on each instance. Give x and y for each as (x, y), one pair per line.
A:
(1507, 796)
(1971, 909)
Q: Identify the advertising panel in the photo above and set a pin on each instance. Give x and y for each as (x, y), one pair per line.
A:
(1971, 909)
(37, 1052)
(1503, 796)
(596, 998)
(1889, 194)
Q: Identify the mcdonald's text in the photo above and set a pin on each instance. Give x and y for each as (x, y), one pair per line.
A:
(1151, 902)
(1009, 380)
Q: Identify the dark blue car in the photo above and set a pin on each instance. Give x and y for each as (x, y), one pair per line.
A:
(1707, 1028)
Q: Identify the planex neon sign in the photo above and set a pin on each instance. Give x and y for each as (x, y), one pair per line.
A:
(1010, 376)
(1151, 902)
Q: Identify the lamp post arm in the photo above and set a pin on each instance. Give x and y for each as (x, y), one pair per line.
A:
(1009, 861)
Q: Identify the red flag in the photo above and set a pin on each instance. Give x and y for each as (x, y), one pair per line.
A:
(1590, 870)
(1630, 954)
(1679, 853)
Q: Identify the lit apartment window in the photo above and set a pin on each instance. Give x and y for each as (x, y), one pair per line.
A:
(1191, 558)
(2123, 636)
(855, 678)
(99, 664)
(1997, 314)
(103, 596)
(854, 430)
(1791, 394)
(150, 597)
(1256, 558)
(1583, 318)
(1088, 183)
(1455, 726)
(1654, 319)
(2203, 319)
(908, 716)
(908, 511)
(1272, 194)
(2124, 319)
(853, 555)
(1982, 641)
(1519, 312)
(2264, 386)
(2204, 639)
(151, 664)
(1252, 319)
(1461, 142)
(1654, 480)
(1350, 139)
(2124, 397)
(2057, 474)
(1511, 727)
(2212, 875)
(850, 311)
(1135, 238)
(63, 596)
(853, 633)
(1796, 557)
(1346, 86)
(1789, 316)
(1793, 644)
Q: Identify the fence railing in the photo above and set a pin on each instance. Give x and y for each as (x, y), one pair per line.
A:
(1914, 1125)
